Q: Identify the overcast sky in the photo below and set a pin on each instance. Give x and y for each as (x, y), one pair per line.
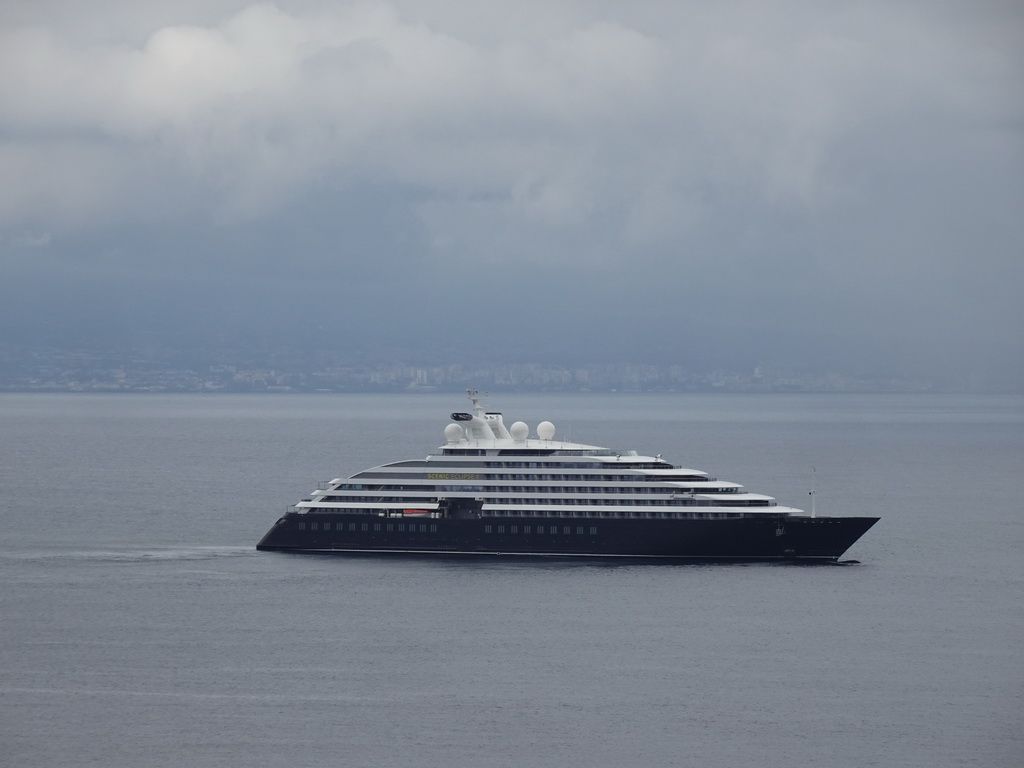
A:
(787, 182)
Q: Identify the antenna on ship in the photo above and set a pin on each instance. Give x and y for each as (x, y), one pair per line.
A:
(811, 492)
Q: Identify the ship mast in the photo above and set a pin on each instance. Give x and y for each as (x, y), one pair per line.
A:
(811, 492)
(478, 409)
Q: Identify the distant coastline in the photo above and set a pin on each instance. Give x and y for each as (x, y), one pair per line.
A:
(54, 371)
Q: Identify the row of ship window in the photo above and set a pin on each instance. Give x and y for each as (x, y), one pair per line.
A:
(538, 514)
(542, 529)
(524, 476)
(630, 489)
(554, 502)
(423, 486)
(541, 464)
(316, 525)
(632, 515)
(567, 530)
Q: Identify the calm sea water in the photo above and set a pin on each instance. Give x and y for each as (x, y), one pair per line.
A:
(138, 626)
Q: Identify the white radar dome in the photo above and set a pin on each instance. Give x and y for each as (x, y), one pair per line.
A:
(519, 431)
(453, 433)
(545, 430)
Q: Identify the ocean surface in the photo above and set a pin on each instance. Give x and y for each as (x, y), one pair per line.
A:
(139, 627)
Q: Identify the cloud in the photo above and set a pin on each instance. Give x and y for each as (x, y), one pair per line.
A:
(560, 128)
(857, 152)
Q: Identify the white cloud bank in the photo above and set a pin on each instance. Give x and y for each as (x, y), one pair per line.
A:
(589, 114)
(868, 153)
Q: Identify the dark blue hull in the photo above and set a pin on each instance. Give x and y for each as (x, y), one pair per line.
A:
(752, 538)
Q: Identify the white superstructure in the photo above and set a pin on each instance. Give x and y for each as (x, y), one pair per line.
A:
(504, 472)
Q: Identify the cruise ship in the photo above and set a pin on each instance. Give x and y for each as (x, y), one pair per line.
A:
(497, 490)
